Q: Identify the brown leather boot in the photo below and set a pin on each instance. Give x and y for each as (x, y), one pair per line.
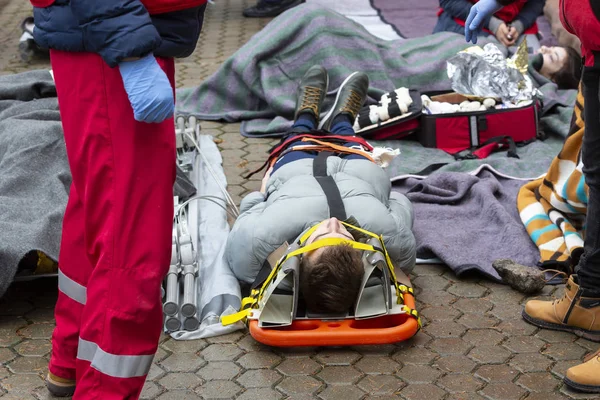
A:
(585, 377)
(60, 387)
(571, 313)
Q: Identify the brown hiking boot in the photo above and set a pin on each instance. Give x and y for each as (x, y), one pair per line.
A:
(312, 91)
(585, 377)
(572, 313)
(349, 100)
(60, 387)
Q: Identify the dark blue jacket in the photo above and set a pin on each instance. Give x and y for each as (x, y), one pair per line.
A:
(117, 29)
(460, 9)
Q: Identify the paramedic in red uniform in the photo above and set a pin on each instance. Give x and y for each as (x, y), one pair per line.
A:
(113, 65)
(579, 309)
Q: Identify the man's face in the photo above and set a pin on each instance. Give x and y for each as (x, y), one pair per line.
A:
(330, 228)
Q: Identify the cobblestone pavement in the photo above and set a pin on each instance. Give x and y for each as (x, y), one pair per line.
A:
(474, 345)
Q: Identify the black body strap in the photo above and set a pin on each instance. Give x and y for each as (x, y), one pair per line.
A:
(330, 188)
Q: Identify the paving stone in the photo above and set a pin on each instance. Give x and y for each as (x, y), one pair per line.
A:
(221, 352)
(445, 329)
(516, 327)
(465, 396)
(259, 378)
(375, 350)
(564, 351)
(422, 392)
(456, 383)
(503, 294)
(260, 394)
(15, 307)
(381, 384)
(531, 362)
(546, 396)
(37, 331)
(538, 382)
(8, 337)
(431, 282)
(503, 391)
(4, 372)
(436, 298)
(184, 346)
(497, 373)
(489, 354)
(292, 352)
(180, 381)
(298, 366)
(430, 269)
(22, 382)
(524, 344)
(339, 375)
(155, 372)
(219, 370)
(6, 355)
(182, 362)
(468, 290)
(218, 390)
(550, 336)
(561, 367)
(294, 385)
(577, 395)
(178, 395)
(455, 363)
(507, 310)
(478, 321)
(449, 346)
(28, 365)
(414, 355)
(473, 305)
(337, 357)
(41, 315)
(248, 343)
(257, 360)
(441, 313)
(377, 365)
(479, 337)
(161, 354)
(18, 396)
(419, 340)
(418, 374)
(150, 391)
(341, 393)
(588, 344)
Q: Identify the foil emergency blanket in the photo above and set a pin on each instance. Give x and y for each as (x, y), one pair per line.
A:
(487, 73)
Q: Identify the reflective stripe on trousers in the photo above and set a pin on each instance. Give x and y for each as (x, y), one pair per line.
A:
(117, 366)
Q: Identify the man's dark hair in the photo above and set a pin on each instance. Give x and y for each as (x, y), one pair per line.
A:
(330, 284)
(569, 75)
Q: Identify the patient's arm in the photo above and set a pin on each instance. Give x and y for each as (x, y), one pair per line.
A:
(402, 247)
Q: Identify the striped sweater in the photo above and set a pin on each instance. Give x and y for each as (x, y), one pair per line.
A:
(553, 208)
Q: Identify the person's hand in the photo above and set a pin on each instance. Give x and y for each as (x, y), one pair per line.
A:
(513, 35)
(263, 187)
(480, 11)
(503, 35)
(148, 88)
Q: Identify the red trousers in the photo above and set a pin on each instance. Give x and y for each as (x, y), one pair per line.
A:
(116, 240)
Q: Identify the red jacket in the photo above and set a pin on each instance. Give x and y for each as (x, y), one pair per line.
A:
(153, 6)
(582, 19)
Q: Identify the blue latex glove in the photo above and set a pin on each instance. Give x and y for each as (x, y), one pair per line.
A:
(480, 12)
(149, 90)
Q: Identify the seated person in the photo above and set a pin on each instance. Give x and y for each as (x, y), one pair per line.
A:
(292, 200)
(509, 25)
(561, 65)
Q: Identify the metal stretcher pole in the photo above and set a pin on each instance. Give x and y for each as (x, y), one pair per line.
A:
(171, 304)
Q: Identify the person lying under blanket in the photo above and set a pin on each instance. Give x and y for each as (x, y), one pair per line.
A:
(293, 199)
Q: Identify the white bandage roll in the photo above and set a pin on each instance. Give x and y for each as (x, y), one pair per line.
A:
(373, 114)
(403, 107)
(404, 96)
(384, 115)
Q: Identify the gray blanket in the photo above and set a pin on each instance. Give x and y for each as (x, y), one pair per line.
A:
(258, 84)
(468, 221)
(34, 173)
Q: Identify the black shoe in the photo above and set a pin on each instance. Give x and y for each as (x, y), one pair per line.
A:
(311, 92)
(349, 100)
(264, 9)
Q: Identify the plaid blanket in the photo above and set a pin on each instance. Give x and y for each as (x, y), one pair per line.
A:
(553, 208)
(258, 84)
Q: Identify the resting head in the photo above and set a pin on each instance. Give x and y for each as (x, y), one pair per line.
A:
(330, 276)
(562, 65)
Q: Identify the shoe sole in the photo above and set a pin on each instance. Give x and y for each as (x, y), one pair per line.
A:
(594, 336)
(58, 389)
(582, 388)
(337, 99)
(273, 14)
